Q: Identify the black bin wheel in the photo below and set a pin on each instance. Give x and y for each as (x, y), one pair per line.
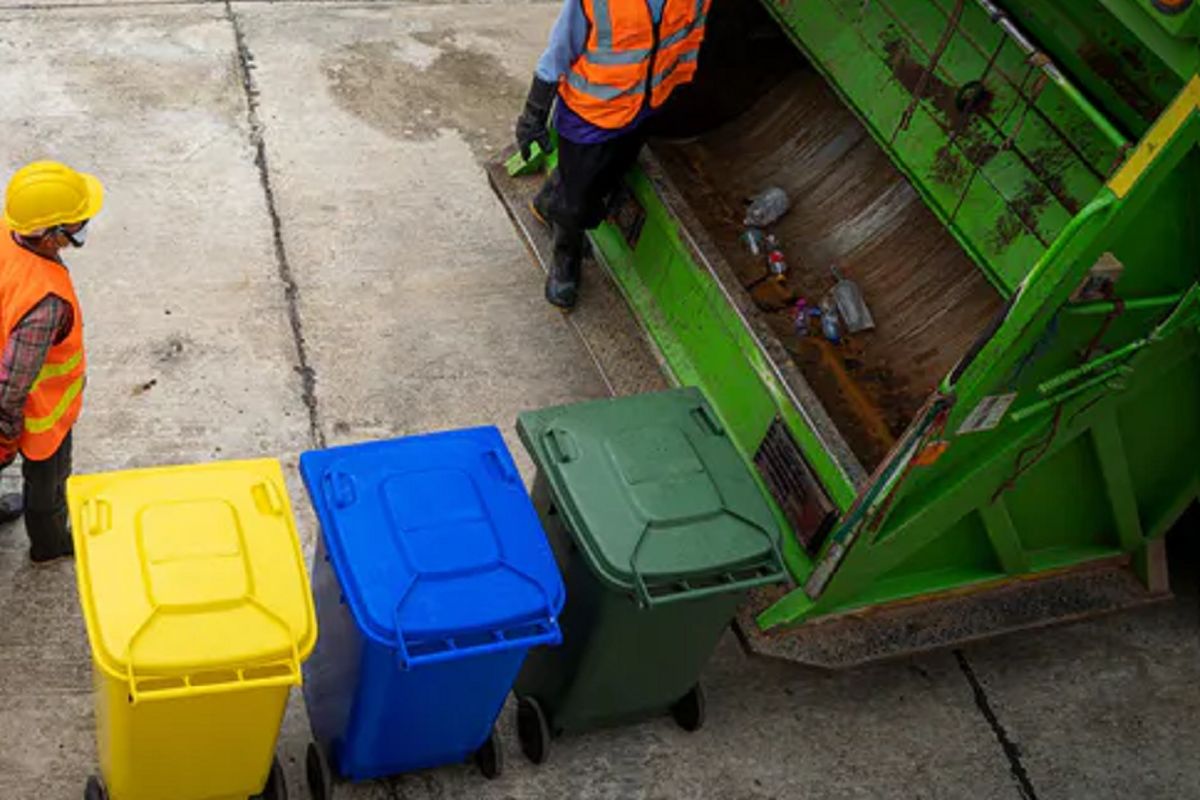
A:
(276, 788)
(532, 730)
(317, 773)
(94, 790)
(688, 710)
(489, 758)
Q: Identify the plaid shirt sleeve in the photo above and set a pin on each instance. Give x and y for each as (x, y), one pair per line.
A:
(46, 323)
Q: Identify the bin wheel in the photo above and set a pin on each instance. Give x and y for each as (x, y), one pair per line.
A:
(532, 730)
(318, 773)
(688, 710)
(276, 788)
(95, 789)
(490, 757)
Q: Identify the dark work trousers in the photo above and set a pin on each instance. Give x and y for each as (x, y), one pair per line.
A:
(577, 194)
(46, 503)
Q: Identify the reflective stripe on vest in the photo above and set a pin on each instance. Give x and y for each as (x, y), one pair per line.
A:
(49, 371)
(683, 33)
(603, 24)
(607, 84)
(43, 424)
(600, 90)
(690, 57)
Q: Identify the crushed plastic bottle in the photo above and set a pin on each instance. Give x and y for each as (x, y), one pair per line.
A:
(800, 317)
(776, 263)
(754, 239)
(766, 207)
(805, 317)
(830, 325)
(850, 304)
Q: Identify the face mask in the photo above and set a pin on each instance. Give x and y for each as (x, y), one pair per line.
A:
(78, 238)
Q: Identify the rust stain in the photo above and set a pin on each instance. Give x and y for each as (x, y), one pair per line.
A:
(908, 71)
(1050, 164)
(1056, 186)
(1032, 200)
(1007, 230)
(1133, 58)
(980, 152)
(1023, 214)
(964, 125)
(948, 168)
(972, 143)
(1113, 71)
(866, 409)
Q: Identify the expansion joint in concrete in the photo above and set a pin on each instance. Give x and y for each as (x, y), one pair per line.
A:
(291, 291)
(1012, 751)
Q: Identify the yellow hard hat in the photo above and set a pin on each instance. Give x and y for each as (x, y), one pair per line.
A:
(45, 193)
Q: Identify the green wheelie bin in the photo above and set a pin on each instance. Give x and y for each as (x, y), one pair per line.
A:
(659, 530)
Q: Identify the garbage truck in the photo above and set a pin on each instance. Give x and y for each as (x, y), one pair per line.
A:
(1014, 189)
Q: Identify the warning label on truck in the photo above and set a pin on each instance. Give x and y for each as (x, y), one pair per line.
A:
(988, 414)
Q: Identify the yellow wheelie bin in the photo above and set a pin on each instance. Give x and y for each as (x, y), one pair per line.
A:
(199, 616)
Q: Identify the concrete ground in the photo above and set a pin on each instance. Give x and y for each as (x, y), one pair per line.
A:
(300, 247)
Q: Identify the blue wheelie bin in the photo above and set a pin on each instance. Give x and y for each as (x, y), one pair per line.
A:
(432, 579)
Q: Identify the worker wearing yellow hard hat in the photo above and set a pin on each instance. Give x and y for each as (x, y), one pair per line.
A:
(47, 207)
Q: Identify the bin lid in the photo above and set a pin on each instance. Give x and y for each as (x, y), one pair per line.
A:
(182, 569)
(435, 542)
(655, 493)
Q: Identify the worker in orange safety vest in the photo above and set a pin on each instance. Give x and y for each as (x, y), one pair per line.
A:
(47, 207)
(610, 65)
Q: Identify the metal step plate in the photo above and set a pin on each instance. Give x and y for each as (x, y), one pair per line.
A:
(612, 336)
(940, 621)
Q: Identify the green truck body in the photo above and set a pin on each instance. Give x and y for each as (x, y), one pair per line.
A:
(1016, 188)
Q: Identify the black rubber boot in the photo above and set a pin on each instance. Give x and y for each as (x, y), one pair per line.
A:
(562, 284)
(542, 202)
(12, 506)
(43, 554)
(49, 536)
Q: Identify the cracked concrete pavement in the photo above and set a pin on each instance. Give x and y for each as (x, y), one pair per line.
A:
(300, 247)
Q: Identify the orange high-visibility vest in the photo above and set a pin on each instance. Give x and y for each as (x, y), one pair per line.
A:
(629, 62)
(56, 396)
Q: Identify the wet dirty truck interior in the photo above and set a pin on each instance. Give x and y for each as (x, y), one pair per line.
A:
(758, 116)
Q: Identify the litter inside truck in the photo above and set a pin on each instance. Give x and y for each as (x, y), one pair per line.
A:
(1006, 446)
(854, 209)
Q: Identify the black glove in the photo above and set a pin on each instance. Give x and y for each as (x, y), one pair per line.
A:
(531, 125)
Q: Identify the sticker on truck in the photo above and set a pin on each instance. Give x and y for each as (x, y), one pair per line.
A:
(988, 414)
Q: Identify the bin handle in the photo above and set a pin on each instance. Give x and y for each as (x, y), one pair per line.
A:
(708, 420)
(266, 497)
(544, 631)
(500, 466)
(545, 626)
(560, 445)
(339, 488)
(291, 678)
(97, 516)
(775, 559)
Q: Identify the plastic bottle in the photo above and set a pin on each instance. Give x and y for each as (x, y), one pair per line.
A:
(754, 238)
(766, 207)
(851, 304)
(800, 317)
(775, 260)
(830, 325)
